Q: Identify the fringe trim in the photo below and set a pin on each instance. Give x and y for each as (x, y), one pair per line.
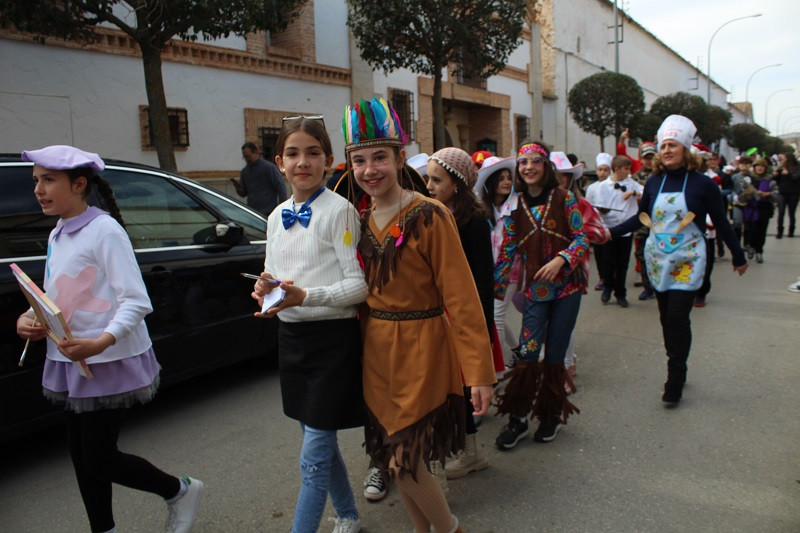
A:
(552, 402)
(439, 434)
(523, 383)
(380, 259)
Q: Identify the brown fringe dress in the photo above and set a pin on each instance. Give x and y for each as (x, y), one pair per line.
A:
(413, 353)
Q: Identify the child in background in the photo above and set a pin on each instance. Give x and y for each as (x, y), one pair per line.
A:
(546, 230)
(617, 200)
(603, 171)
(451, 177)
(90, 254)
(495, 186)
(319, 341)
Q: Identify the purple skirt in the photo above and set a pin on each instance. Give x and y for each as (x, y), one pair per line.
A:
(116, 384)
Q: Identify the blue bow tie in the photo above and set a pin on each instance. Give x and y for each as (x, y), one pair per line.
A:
(303, 216)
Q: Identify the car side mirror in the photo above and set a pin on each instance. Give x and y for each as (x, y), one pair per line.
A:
(227, 233)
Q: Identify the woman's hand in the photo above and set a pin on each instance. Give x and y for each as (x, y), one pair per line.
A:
(28, 328)
(481, 398)
(549, 272)
(294, 297)
(741, 269)
(79, 349)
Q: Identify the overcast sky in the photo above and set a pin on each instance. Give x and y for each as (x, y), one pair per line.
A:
(739, 49)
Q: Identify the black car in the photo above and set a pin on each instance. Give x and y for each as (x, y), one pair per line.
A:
(191, 243)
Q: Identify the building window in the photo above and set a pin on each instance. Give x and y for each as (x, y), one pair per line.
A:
(403, 103)
(470, 81)
(178, 127)
(522, 126)
(269, 140)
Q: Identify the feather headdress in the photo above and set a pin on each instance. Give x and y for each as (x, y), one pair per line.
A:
(372, 123)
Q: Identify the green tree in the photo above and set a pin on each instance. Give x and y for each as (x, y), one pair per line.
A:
(680, 103)
(426, 36)
(606, 103)
(647, 127)
(745, 136)
(152, 24)
(716, 126)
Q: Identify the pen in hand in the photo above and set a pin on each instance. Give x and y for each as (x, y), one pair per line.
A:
(268, 280)
(24, 352)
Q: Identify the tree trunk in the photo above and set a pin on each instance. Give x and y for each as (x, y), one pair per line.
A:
(439, 138)
(602, 144)
(157, 103)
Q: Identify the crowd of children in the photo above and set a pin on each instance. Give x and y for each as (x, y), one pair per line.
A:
(396, 294)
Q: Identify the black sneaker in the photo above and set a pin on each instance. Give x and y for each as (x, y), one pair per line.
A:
(514, 432)
(606, 296)
(622, 301)
(374, 486)
(647, 294)
(547, 431)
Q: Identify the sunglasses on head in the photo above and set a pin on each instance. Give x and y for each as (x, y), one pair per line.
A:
(319, 118)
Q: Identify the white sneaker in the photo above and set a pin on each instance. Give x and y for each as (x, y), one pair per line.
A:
(346, 525)
(183, 511)
(794, 287)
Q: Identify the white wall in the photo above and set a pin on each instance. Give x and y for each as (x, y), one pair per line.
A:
(657, 69)
(330, 24)
(92, 100)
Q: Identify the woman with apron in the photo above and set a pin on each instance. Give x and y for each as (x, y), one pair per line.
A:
(674, 205)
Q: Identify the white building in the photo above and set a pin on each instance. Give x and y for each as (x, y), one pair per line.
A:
(225, 92)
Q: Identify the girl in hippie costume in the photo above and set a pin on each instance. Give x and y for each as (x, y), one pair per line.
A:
(311, 255)
(674, 205)
(546, 230)
(92, 275)
(413, 353)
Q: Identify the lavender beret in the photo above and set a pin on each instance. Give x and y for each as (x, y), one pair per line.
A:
(62, 157)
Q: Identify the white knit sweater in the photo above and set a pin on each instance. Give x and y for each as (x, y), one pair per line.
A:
(317, 259)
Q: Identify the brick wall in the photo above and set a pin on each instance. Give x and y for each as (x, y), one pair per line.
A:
(299, 37)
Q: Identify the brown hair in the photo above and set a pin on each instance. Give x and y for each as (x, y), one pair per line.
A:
(620, 161)
(490, 187)
(690, 161)
(466, 204)
(103, 189)
(312, 127)
(550, 179)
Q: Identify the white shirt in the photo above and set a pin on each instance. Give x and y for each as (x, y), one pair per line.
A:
(317, 259)
(610, 197)
(93, 277)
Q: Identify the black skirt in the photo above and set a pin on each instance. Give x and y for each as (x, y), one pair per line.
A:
(320, 371)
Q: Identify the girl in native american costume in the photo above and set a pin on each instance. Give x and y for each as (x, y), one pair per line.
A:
(413, 353)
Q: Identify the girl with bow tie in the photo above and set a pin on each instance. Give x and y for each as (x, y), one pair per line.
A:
(311, 241)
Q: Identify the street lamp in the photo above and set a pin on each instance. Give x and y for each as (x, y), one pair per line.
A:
(708, 56)
(778, 121)
(747, 89)
(789, 121)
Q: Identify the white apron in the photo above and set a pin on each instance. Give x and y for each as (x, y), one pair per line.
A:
(675, 261)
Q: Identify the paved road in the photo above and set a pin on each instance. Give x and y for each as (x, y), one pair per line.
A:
(725, 460)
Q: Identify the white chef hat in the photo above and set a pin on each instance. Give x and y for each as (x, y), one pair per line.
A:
(603, 159)
(678, 128)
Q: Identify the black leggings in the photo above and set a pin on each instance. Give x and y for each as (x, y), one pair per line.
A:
(98, 463)
(674, 308)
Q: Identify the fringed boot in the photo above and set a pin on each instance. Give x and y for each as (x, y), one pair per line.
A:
(516, 401)
(552, 407)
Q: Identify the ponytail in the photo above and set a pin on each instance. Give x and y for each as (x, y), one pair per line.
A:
(103, 189)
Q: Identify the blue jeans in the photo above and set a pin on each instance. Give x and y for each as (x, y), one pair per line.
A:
(322, 471)
(556, 318)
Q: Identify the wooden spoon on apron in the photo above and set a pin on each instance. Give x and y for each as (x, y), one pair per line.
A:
(687, 219)
(644, 218)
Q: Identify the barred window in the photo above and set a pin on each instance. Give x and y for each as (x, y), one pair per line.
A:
(178, 127)
(522, 128)
(269, 140)
(403, 103)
